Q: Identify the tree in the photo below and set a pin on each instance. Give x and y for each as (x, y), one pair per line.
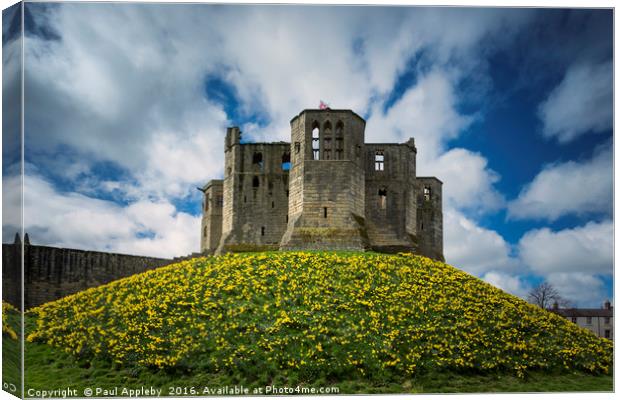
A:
(545, 296)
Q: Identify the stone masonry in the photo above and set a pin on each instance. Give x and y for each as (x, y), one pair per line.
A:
(325, 190)
(52, 272)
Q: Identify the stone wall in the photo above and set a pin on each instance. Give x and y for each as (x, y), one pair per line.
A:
(430, 217)
(258, 182)
(51, 272)
(212, 216)
(390, 196)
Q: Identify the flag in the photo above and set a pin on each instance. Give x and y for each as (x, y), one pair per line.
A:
(323, 106)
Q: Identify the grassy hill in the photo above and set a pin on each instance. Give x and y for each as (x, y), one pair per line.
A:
(368, 321)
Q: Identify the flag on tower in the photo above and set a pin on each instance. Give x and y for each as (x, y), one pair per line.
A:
(323, 106)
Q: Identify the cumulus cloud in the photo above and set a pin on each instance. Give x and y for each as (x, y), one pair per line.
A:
(584, 249)
(581, 103)
(426, 112)
(472, 248)
(568, 188)
(153, 228)
(140, 98)
(467, 181)
(509, 283)
(580, 289)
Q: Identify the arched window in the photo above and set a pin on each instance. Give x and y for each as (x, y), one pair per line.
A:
(382, 198)
(315, 140)
(339, 141)
(327, 128)
(327, 140)
(339, 128)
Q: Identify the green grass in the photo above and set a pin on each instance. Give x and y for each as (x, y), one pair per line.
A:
(11, 357)
(361, 322)
(48, 367)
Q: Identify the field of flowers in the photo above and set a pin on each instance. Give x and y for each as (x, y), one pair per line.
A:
(322, 315)
(7, 329)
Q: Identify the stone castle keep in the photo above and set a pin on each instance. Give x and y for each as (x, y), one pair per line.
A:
(327, 190)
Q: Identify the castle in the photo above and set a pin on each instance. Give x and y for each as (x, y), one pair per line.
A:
(327, 189)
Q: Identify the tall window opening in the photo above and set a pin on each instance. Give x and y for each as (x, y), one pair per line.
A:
(315, 141)
(255, 182)
(207, 202)
(257, 158)
(286, 161)
(339, 142)
(324, 212)
(297, 147)
(379, 160)
(382, 198)
(262, 231)
(327, 140)
(339, 148)
(427, 193)
(205, 232)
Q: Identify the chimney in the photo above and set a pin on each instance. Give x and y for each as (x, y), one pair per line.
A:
(607, 305)
(17, 240)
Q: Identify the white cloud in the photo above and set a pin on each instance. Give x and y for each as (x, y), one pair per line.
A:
(472, 248)
(121, 94)
(426, 112)
(467, 181)
(567, 188)
(509, 283)
(581, 103)
(580, 289)
(586, 249)
(152, 228)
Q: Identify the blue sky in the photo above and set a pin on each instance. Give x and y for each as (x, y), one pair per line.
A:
(127, 105)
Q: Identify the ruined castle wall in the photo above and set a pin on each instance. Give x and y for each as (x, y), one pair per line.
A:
(51, 272)
(390, 178)
(231, 163)
(212, 216)
(261, 195)
(430, 217)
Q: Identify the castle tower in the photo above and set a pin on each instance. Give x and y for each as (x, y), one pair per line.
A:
(429, 217)
(255, 194)
(232, 150)
(211, 226)
(327, 177)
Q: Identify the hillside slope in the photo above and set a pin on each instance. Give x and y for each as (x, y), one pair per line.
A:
(321, 315)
